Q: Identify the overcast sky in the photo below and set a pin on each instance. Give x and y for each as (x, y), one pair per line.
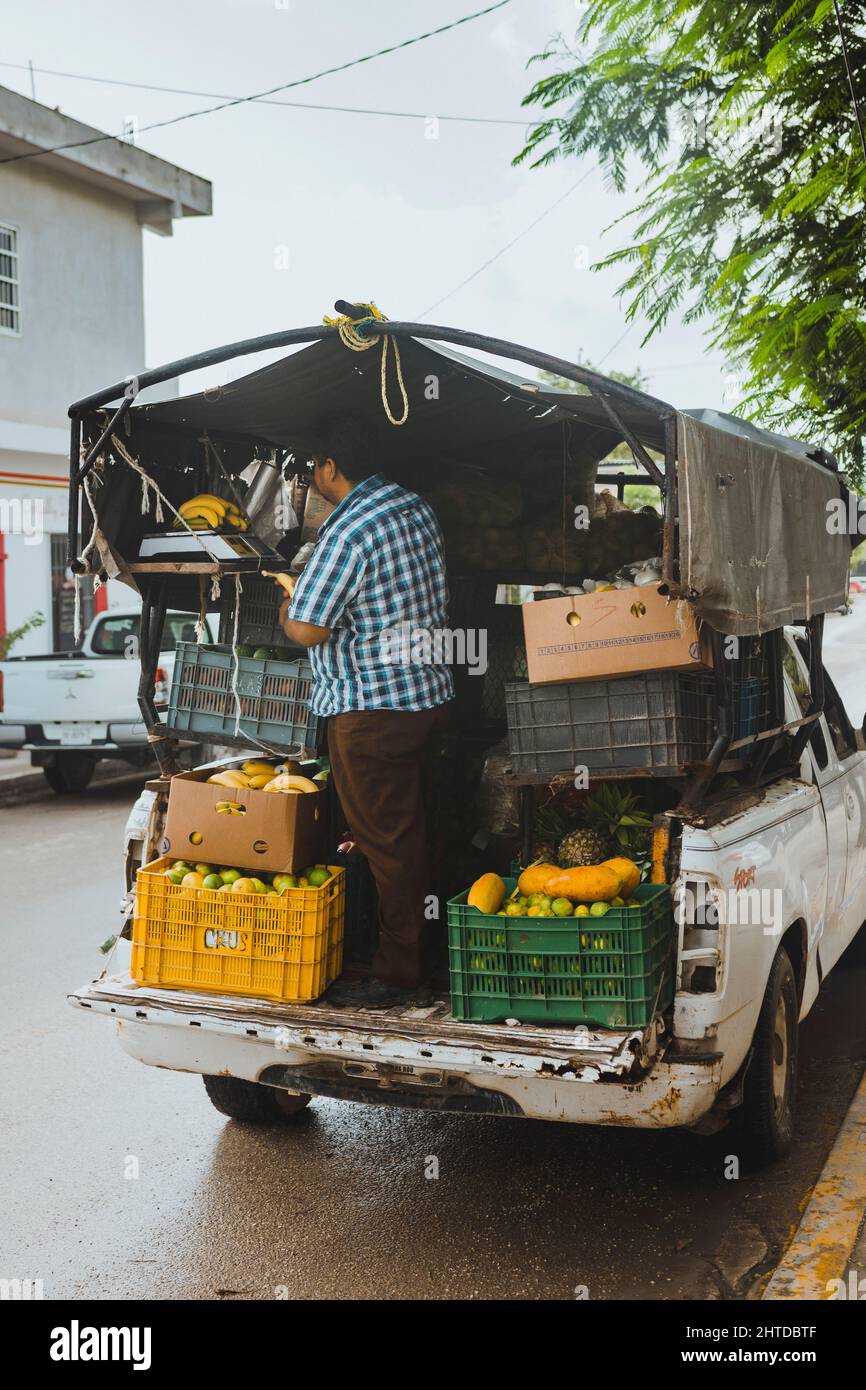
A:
(313, 205)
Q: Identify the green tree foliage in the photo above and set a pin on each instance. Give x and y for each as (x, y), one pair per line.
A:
(8, 639)
(735, 119)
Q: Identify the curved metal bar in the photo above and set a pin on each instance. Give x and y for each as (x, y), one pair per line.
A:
(499, 347)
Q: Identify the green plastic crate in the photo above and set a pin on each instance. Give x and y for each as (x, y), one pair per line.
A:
(274, 698)
(615, 970)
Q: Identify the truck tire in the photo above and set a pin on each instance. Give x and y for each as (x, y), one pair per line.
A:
(770, 1087)
(251, 1102)
(69, 773)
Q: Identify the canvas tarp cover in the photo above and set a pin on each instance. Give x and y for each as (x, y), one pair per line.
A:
(755, 544)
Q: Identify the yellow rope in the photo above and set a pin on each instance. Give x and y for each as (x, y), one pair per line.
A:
(352, 337)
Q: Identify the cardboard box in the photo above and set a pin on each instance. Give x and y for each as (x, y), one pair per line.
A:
(615, 633)
(277, 831)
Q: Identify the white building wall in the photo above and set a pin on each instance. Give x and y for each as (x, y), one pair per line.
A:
(82, 326)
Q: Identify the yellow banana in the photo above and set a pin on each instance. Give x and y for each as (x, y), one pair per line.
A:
(229, 808)
(260, 780)
(203, 513)
(287, 581)
(254, 766)
(232, 778)
(286, 782)
(204, 499)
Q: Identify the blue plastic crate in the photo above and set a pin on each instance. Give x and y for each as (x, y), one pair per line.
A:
(274, 699)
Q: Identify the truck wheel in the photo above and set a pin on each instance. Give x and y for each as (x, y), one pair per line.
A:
(770, 1087)
(70, 772)
(251, 1102)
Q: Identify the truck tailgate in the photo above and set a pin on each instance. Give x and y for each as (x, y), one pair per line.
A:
(417, 1036)
(55, 691)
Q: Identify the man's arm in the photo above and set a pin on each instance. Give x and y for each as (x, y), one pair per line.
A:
(328, 583)
(305, 634)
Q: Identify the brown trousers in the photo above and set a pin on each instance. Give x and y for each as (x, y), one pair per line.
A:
(377, 758)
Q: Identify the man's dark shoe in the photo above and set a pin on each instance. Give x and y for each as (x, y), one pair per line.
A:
(371, 993)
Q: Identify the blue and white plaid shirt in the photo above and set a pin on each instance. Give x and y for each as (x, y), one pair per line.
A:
(377, 579)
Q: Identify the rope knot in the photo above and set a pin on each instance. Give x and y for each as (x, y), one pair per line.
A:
(352, 336)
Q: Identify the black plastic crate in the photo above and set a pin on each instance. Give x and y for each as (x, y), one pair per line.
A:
(658, 722)
(258, 624)
(361, 935)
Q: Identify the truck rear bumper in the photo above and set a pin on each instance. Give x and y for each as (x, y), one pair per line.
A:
(401, 1063)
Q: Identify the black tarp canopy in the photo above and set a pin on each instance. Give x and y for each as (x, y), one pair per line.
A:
(753, 545)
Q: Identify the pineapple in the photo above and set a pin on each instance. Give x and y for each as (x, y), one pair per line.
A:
(582, 846)
(614, 823)
(544, 852)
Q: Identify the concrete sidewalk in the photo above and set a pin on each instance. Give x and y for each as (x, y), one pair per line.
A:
(14, 764)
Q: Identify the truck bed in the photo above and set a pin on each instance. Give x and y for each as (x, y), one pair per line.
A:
(339, 1031)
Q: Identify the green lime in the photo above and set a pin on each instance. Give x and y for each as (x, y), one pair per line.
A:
(617, 902)
(562, 907)
(515, 910)
(205, 869)
(213, 881)
(176, 876)
(258, 885)
(581, 910)
(317, 877)
(230, 876)
(599, 909)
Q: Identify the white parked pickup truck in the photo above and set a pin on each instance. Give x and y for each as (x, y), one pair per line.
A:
(70, 709)
(770, 889)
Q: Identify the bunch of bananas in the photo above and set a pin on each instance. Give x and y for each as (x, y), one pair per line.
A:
(206, 512)
(252, 775)
(257, 775)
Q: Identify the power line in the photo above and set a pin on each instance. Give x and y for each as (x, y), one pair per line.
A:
(270, 91)
(295, 105)
(501, 252)
(621, 339)
(856, 104)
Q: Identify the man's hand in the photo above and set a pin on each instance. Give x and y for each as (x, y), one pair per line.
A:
(305, 634)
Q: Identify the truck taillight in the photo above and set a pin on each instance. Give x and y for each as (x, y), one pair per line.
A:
(700, 919)
(160, 686)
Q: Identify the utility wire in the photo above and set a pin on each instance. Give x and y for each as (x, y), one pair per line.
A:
(501, 252)
(295, 105)
(857, 116)
(270, 91)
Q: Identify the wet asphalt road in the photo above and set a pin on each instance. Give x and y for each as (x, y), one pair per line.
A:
(338, 1205)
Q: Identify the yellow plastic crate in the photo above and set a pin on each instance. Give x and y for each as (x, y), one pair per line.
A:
(288, 948)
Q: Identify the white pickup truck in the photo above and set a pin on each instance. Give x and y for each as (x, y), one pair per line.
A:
(69, 709)
(770, 888)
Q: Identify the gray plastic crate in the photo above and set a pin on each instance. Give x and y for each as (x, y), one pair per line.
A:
(274, 699)
(658, 722)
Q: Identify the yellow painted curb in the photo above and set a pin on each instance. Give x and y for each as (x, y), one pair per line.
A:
(828, 1232)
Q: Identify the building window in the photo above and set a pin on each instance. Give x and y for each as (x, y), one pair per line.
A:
(63, 598)
(10, 308)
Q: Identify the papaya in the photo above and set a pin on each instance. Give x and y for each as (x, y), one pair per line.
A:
(533, 879)
(487, 893)
(628, 871)
(590, 884)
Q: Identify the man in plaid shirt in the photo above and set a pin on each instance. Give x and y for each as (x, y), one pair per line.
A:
(367, 606)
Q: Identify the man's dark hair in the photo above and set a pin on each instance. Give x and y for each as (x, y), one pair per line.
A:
(348, 440)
